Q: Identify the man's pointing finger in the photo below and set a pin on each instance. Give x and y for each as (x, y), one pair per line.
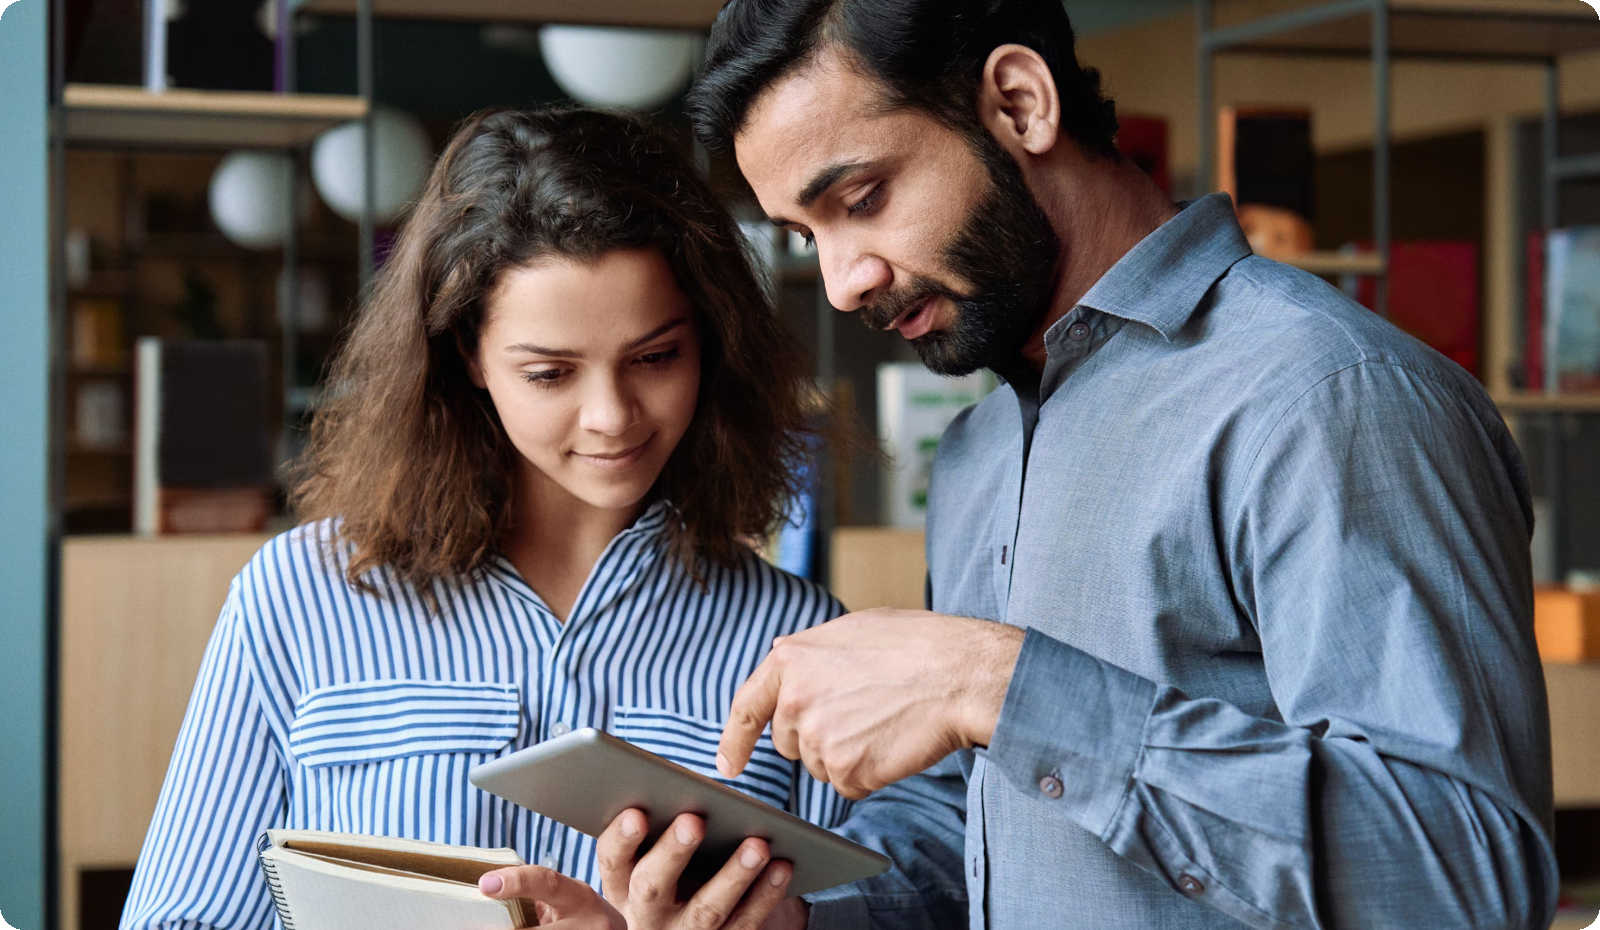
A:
(753, 706)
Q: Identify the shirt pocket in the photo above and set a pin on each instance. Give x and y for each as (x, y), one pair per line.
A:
(692, 743)
(373, 721)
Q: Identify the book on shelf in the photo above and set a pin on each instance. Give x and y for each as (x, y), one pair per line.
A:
(1434, 295)
(202, 449)
(1531, 377)
(97, 333)
(1570, 327)
(1265, 162)
(345, 881)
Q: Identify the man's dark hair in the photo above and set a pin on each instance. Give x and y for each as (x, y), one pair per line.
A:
(929, 54)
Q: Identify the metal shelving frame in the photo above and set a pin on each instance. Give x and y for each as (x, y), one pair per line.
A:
(1255, 37)
(148, 119)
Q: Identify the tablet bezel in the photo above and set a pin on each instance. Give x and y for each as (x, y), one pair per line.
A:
(586, 777)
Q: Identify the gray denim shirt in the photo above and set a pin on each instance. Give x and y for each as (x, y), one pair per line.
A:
(1272, 557)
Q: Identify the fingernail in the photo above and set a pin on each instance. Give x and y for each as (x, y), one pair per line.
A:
(779, 876)
(684, 834)
(750, 858)
(630, 828)
(723, 766)
(491, 884)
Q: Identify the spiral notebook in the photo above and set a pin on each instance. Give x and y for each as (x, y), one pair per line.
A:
(347, 881)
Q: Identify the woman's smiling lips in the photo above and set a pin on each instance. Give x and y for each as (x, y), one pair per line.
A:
(619, 459)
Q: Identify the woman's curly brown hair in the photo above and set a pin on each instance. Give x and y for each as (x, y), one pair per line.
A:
(410, 456)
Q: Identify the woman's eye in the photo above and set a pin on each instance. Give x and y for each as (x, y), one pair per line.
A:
(545, 377)
(867, 204)
(659, 358)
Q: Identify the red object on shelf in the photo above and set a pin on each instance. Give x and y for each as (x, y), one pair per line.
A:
(1435, 295)
(1143, 141)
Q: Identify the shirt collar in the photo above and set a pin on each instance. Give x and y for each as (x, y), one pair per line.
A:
(652, 524)
(1161, 281)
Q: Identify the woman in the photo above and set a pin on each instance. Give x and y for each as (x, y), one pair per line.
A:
(564, 404)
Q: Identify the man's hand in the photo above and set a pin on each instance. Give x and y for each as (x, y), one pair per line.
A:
(874, 696)
(644, 889)
(560, 902)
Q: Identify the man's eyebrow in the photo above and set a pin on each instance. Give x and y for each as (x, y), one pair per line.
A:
(818, 185)
(656, 333)
(825, 179)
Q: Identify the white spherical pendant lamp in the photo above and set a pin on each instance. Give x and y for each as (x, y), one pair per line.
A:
(401, 157)
(608, 66)
(249, 194)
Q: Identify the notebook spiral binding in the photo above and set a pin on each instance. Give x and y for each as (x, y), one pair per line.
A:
(270, 871)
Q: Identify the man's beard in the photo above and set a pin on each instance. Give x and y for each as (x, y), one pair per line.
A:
(1007, 253)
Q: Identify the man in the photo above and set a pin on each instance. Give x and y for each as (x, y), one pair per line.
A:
(1230, 595)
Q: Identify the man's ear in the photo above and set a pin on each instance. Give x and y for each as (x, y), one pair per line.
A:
(1018, 102)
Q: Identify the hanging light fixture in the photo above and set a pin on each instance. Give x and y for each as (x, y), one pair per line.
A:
(249, 194)
(610, 66)
(401, 157)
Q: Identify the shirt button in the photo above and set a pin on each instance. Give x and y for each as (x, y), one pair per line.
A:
(1190, 885)
(559, 728)
(1078, 331)
(548, 862)
(1051, 786)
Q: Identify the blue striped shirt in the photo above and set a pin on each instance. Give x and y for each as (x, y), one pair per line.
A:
(319, 706)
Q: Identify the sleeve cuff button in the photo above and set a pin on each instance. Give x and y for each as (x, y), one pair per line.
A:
(1051, 786)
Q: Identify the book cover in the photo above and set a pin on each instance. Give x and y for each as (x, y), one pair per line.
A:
(202, 449)
(343, 881)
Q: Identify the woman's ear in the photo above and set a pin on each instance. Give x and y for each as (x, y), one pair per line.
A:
(1018, 102)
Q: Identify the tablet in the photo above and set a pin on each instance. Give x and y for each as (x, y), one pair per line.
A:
(587, 777)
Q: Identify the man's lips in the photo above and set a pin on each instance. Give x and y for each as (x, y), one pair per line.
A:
(915, 322)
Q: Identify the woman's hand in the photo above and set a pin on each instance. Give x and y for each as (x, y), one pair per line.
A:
(560, 902)
(644, 889)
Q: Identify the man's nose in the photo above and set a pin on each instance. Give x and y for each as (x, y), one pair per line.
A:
(851, 275)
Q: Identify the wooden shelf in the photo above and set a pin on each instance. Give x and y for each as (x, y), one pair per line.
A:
(1462, 29)
(109, 114)
(1337, 263)
(676, 14)
(1539, 402)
